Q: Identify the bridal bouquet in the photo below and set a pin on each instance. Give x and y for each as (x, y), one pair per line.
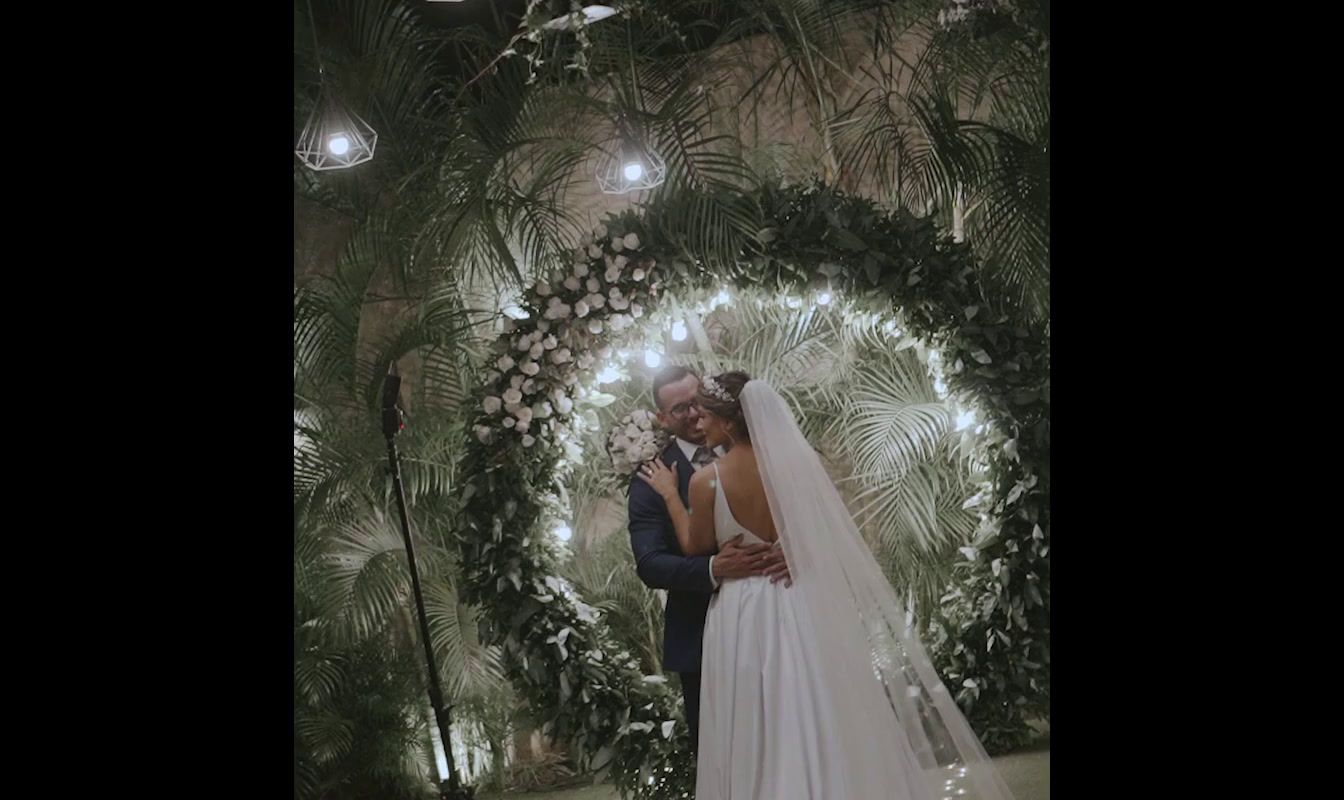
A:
(634, 440)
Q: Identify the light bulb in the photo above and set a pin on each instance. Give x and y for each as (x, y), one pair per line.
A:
(965, 420)
(634, 171)
(722, 297)
(562, 532)
(609, 374)
(793, 302)
(339, 145)
(652, 359)
(824, 298)
(679, 331)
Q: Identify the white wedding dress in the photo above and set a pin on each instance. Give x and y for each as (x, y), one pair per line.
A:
(820, 691)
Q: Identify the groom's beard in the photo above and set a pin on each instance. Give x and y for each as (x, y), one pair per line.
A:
(693, 436)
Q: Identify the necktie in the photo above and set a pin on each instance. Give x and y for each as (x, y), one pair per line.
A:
(703, 457)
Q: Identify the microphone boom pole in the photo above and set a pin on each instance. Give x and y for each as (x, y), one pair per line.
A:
(392, 425)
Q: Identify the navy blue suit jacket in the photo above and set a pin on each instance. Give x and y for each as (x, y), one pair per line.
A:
(662, 565)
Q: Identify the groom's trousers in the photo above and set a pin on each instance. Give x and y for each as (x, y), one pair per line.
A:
(690, 692)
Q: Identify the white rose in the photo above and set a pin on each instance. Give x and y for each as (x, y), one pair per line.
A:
(505, 363)
(600, 231)
(553, 302)
(557, 276)
(549, 342)
(530, 368)
(571, 378)
(543, 288)
(604, 352)
(529, 440)
(541, 410)
(513, 396)
(585, 360)
(492, 376)
(631, 241)
(509, 325)
(619, 262)
(595, 326)
(596, 300)
(522, 426)
(491, 404)
(617, 244)
(564, 404)
(523, 344)
(632, 431)
(594, 285)
(537, 350)
(508, 422)
(543, 325)
(560, 356)
(581, 269)
(515, 381)
(524, 414)
(572, 283)
(636, 310)
(612, 275)
(626, 320)
(620, 303)
(594, 251)
(529, 386)
(638, 274)
(483, 434)
(581, 309)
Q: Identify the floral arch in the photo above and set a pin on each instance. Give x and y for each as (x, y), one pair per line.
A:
(993, 642)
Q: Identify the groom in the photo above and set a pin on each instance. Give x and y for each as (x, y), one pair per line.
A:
(689, 581)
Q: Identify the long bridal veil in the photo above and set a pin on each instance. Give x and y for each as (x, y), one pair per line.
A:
(879, 679)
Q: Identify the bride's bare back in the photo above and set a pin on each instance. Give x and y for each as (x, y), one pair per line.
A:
(745, 493)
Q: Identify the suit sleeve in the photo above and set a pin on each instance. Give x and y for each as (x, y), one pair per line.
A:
(657, 561)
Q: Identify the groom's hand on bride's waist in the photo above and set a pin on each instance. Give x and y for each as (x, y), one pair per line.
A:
(738, 560)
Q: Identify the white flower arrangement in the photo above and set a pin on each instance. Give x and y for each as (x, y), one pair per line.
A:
(547, 363)
(634, 440)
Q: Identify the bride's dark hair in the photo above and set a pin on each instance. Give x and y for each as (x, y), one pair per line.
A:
(730, 410)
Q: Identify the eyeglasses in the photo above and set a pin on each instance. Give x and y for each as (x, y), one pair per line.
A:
(681, 409)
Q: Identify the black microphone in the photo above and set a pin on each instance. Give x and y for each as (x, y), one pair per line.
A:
(392, 424)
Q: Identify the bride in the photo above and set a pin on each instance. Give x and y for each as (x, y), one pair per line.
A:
(820, 690)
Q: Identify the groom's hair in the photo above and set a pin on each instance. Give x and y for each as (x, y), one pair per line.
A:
(666, 375)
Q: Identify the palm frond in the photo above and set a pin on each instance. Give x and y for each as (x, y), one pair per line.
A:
(467, 666)
(366, 576)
